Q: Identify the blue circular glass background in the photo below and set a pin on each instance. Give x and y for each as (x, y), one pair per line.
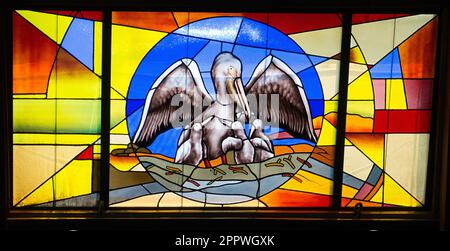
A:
(202, 41)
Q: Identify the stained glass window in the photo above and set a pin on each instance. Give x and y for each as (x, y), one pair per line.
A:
(56, 108)
(191, 116)
(389, 109)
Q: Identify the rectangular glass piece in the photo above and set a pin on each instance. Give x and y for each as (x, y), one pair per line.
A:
(56, 108)
(389, 109)
(179, 140)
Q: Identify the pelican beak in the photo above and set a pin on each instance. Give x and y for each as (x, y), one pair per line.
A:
(241, 97)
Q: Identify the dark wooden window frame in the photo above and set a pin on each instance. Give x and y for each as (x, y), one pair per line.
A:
(433, 216)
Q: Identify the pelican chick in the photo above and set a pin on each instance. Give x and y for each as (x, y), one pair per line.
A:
(191, 151)
(260, 141)
(244, 150)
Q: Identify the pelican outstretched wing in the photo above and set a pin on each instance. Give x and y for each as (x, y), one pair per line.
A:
(272, 76)
(183, 79)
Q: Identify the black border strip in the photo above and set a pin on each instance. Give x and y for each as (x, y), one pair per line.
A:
(342, 109)
(438, 179)
(436, 120)
(6, 114)
(106, 111)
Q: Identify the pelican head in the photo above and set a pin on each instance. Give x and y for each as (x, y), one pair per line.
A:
(226, 72)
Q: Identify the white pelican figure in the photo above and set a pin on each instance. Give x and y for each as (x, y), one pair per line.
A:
(191, 150)
(183, 78)
(260, 141)
(244, 150)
